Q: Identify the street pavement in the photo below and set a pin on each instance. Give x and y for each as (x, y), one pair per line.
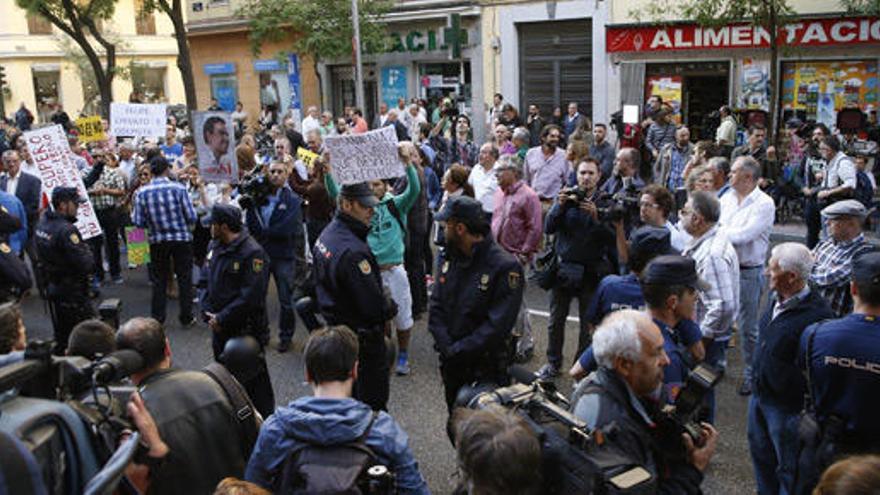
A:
(417, 400)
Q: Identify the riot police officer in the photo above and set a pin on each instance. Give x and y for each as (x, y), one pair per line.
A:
(841, 359)
(67, 264)
(475, 301)
(14, 275)
(234, 302)
(349, 289)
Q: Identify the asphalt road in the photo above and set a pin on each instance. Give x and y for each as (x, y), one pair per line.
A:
(417, 400)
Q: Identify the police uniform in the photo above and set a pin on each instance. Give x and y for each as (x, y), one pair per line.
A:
(14, 275)
(67, 264)
(236, 281)
(349, 292)
(474, 305)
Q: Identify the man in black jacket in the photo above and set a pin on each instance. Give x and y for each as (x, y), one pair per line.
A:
(584, 246)
(778, 384)
(621, 400)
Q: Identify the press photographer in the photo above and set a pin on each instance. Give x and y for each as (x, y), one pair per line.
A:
(630, 350)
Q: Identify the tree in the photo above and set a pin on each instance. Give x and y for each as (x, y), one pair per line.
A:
(867, 7)
(74, 56)
(323, 30)
(71, 16)
(174, 10)
(769, 15)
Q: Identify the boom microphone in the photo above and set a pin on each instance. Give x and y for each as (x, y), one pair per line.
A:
(117, 365)
(521, 374)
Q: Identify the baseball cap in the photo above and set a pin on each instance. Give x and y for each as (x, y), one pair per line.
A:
(648, 240)
(224, 214)
(845, 208)
(361, 193)
(65, 193)
(866, 268)
(673, 269)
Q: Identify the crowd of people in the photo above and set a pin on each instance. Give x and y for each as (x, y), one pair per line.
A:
(664, 243)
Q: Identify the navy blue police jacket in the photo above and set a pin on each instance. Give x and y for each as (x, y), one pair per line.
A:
(475, 302)
(845, 372)
(236, 278)
(64, 255)
(348, 282)
(278, 238)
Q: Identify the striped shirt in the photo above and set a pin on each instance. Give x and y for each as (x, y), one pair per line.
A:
(832, 271)
(718, 265)
(163, 207)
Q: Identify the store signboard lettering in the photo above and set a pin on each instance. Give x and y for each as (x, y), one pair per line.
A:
(818, 32)
(431, 40)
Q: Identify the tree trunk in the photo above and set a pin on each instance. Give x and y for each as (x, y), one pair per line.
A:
(320, 84)
(773, 124)
(184, 61)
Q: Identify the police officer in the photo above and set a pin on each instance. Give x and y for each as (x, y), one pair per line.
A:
(234, 303)
(842, 362)
(67, 264)
(349, 289)
(14, 275)
(475, 300)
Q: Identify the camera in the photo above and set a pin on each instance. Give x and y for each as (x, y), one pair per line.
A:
(684, 416)
(448, 109)
(254, 189)
(622, 205)
(575, 194)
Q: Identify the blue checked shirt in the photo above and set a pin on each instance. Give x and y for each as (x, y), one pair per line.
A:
(165, 210)
(718, 265)
(832, 271)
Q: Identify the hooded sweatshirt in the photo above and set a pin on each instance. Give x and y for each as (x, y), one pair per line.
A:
(326, 421)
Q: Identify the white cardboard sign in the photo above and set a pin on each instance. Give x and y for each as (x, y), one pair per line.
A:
(138, 120)
(361, 157)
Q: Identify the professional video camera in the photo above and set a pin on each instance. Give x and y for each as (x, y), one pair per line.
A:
(254, 189)
(575, 459)
(448, 108)
(622, 205)
(70, 418)
(684, 415)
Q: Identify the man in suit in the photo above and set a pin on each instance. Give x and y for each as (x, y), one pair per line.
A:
(24, 186)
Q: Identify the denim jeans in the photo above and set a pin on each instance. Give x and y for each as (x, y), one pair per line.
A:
(282, 272)
(773, 443)
(751, 282)
(716, 356)
(560, 301)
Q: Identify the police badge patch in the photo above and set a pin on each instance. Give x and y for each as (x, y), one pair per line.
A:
(258, 265)
(4, 248)
(74, 238)
(364, 265)
(484, 282)
(513, 280)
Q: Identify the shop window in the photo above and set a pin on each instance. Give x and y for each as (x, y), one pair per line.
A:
(817, 90)
(224, 88)
(145, 22)
(149, 83)
(46, 84)
(38, 24)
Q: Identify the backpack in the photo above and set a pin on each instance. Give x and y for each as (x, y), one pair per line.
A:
(328, 469)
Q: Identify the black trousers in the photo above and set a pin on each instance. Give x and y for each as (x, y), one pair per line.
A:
(414, 262)
(109, 219)
(67, 313)
(372, 385)
(161, 254)
(560, 301)
(813, 217)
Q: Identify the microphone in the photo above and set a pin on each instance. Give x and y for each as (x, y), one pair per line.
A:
(521, 374)
(117, 365)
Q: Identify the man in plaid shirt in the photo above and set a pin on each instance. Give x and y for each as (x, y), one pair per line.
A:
(833, 267)
(164, 208)
(106, 195)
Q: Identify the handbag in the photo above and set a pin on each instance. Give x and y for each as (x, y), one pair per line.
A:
(546, 267)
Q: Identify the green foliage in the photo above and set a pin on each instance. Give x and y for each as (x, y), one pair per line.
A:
(867, 7)
(93, 9)
(715, 13)
(324, 28)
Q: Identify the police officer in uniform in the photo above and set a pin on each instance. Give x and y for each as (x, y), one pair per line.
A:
(14, 276)
(475, 301)
(234, 302)
(349, 289)
(67, 264)
(841, 359)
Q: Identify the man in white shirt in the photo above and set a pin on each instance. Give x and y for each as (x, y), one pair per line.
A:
(725, 135)
(840, 173)
(483, 179)
(747, 216)
(312, 122)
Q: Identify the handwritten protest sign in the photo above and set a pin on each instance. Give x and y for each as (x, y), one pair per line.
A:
(138, 247)
(137, 119)
(361, 157)
(214, 135)
(307, 157)
(90, 129)
(52, 157)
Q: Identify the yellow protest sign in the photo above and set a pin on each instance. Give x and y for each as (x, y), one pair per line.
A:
(308, 158)
(90, 129)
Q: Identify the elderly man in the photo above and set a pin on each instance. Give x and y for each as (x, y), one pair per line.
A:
(756, 148)
(778, 382)
(630, 349)
(833, 269)
(720, 168)
(747, 216)
(725, 135)
(482, 178)
(625, 174)
(840, 174)
(312, 122)
(669, 169)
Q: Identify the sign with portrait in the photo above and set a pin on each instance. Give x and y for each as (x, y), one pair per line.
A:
(215, 144)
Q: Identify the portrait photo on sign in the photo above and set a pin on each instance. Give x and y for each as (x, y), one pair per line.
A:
(215, 142)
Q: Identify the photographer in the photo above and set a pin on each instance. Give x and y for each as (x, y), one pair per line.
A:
(631, 352)
(276, 225)
(584, 247)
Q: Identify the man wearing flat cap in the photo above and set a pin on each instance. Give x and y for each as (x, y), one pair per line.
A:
(66, 263)
(349, 289)
(833, 267)
(234, 302)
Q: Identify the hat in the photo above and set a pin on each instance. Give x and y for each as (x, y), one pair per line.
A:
(866, 268)
(461, 208)
(845, 208)
(794, 123)
(224, 214)
(673, 269)
(650, 240)
(361, 193)
(64, 193)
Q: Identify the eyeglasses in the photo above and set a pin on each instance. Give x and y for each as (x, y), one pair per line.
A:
(646, 204)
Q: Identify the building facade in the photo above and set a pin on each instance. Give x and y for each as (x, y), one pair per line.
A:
(39, 71)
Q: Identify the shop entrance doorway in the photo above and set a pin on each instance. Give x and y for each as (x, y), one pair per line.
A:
(704, 95)
(693, 90)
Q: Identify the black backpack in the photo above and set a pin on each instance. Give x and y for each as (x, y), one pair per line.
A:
(328, 469)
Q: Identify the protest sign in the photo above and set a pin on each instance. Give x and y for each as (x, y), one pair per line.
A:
(138, 120)
(90, 129)
(307, 157)
(212, 132)
(361, 157)
(138, 246)
(53, 159)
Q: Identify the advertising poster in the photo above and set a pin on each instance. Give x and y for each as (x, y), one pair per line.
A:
(755, 85)
(213, 133)
(822, 88)
(669, 89)
(293, 81)
(393, 84)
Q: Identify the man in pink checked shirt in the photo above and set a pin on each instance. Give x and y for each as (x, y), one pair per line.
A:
(517, 228)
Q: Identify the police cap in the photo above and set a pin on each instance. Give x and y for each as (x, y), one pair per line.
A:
(845, 208)
(466, 210)
(224, 215)
(65, 193)
(648, 240)
(361, 193)
(866, 268)
(673, 269)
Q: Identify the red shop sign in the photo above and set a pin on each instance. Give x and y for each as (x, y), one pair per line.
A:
(806, 32)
